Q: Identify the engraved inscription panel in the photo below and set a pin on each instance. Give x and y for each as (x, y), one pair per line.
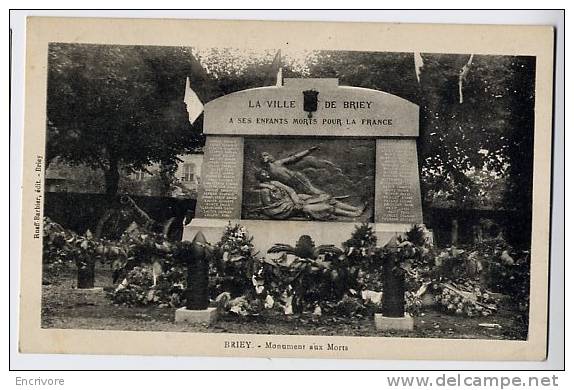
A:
(341, 111)
(398, 197)
(220, 189)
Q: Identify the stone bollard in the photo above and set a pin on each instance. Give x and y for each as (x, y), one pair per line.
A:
(197, 294)
(393, 302)
(86, 278)
(196, 308)
(86, 275)
(393, 315)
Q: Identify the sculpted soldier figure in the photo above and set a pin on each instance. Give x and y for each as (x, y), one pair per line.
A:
(279, 171)
(281, 202)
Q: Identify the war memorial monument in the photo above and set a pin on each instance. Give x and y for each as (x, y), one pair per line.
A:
(310, 157)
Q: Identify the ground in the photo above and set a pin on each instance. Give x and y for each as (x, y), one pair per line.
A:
(65, 307)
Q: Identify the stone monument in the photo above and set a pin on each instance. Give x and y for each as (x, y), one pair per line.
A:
(310, 157)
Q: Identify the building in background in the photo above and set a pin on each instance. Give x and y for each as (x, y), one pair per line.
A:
(189, 170)
(63, 177)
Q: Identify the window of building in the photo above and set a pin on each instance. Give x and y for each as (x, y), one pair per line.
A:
(139, 175)
(188, 172)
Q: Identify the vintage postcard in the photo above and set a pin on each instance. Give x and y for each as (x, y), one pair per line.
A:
(286, 189)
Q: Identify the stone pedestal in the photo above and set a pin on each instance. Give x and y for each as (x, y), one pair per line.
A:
(394, 323)
(268, 233)
(207, 316)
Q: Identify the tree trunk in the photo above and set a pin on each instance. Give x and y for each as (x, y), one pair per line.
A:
(454, 232)
(167, 175)
(112, 176)
(421, 153)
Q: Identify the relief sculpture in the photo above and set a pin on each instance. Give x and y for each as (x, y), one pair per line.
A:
(284, 180)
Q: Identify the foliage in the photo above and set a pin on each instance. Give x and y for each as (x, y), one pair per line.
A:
(453, 263)
(413, 303)
(349, 306)
(138, 288)
(326, 278)
(304, 283)
(476, 133)
(55, 256)
(418, 236)
(154, 272)
(507, 271)
(232, 70)
(462, 280)
(465, 298)
(118, 106)
(142, 247)
(61, 246)
(55, 242)
(319, 282)
(487, 191)
(79, 178)
(454, 276)
(322, 279)
(362, 243)
(303, 277)
(364, 267)
(390, 72)
(471, 150)
(149, 267)
(234, 262)
(246, 283)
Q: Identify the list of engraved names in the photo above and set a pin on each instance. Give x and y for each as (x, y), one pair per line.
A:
(397, 181)
(221, 193)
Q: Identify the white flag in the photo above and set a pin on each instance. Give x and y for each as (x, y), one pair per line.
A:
(274, 74)
(418, 65)
(279, 82)
(192, 102)
(462, 77)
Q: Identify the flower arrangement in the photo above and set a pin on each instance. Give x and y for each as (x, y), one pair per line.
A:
(62, 247)
(142, 288)
(323, 279)
(466, 298)
(235, 262)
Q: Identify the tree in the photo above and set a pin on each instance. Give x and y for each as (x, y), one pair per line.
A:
(519, 147)
(233, 70)
(491, 130)
(389, 72)
(119, 107)
(455, 138)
